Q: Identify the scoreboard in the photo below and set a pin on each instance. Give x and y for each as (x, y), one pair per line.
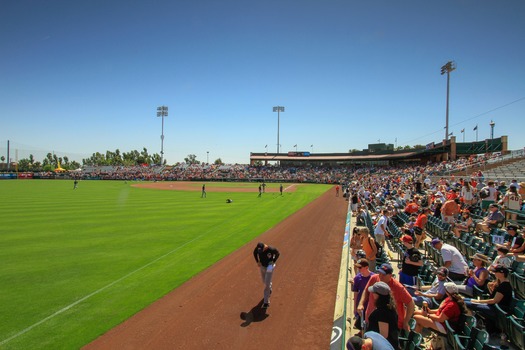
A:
(298, 154)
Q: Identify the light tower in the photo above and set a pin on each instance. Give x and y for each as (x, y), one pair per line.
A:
(162, 112)
(447, 68)
(278, 109)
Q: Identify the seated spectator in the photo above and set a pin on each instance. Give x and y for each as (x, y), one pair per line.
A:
(478, 276)
(492, 220)
(463, 225)
(501, 259)
(411, 207)
(516, 242)
(436, 290)
(370, 341)
(383, 319)
(450, 309)
(501, 293)
(411, 262)
(453, 260)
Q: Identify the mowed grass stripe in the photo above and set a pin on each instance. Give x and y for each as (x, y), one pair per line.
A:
(62, 245)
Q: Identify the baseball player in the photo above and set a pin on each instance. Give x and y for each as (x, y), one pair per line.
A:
(266, 256)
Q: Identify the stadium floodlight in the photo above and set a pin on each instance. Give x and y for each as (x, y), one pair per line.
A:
(447, 68)
(162, 112)
(492, 124)
(278, 109)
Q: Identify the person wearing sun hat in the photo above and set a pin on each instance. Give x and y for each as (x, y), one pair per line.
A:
(478, 277)
(453, 260)
(450, 309)
(404, 304)
(501, 293)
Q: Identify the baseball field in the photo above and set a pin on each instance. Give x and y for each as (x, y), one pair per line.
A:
(76, 263)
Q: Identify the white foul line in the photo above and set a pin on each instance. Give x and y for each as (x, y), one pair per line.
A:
(5, 341)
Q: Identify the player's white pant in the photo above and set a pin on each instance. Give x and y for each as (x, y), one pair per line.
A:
(267, 280)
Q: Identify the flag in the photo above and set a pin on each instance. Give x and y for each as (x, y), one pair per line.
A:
(476, 128)
(266, 146)
(295, 145)
(463, 130)
(311, 145)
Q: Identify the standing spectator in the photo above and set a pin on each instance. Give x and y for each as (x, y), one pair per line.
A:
(492, 195)
(383, 319)
(436, 290)
(467, 193)
(453, 260)
(358, 286)
(369, 246)
(450, 210)
(337, 191)
(511, 201)
(411, 262)
(404, 303)
(354, 202)
(380, 229)
(419, 227)
(478, 277)
(437, 208)
(355, 244)
(266, 256)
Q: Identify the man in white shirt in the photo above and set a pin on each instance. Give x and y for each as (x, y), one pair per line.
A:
(453, 260)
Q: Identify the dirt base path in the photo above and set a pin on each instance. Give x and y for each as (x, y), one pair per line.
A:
(220, 307)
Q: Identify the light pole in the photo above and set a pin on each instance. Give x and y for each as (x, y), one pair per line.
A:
(447, 68)
(207, 157)
(492, 129)
(162, 112)
(278, 109)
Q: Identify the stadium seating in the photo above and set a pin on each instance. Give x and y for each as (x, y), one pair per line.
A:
(462, 331)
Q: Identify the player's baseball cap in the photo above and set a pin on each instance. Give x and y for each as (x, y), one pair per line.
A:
(385, 269)
(260, 246)
(512, 227)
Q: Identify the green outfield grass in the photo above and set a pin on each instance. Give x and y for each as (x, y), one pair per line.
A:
(75, 263)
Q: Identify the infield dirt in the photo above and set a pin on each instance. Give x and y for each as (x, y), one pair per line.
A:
(220, 307)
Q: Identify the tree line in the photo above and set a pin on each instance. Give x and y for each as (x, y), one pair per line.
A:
(109, 158)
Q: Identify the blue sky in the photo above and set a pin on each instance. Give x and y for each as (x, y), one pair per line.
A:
(78, 77)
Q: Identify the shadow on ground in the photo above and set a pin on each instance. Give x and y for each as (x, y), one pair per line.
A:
(256, 314)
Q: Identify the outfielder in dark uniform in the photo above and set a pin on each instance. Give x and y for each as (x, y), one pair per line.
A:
(266, 256)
